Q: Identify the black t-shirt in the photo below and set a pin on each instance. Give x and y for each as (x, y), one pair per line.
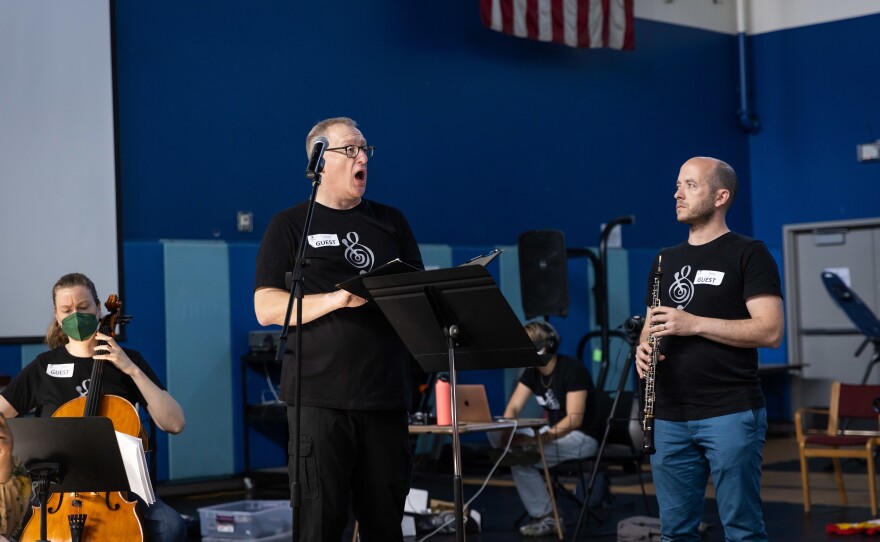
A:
(550, 391)
(701, 378)
(352, 358)
(56, 377)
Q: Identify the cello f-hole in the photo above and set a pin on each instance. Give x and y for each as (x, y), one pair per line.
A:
(57, 508)
(107, 500)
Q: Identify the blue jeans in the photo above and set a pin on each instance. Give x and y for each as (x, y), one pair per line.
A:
(529, 479)
(161, 522)
(727, 447)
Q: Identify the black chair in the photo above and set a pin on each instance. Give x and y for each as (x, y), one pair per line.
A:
(622, 448)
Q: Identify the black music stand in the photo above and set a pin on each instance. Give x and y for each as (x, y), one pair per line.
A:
(453, 319)
(859, 313)
(68, 455)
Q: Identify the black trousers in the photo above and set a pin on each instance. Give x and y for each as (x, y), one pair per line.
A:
(351, 459)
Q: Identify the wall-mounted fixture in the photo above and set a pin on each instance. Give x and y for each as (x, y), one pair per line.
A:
(245, 221)
(868, 152)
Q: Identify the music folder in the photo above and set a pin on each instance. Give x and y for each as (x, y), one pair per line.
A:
(355, 284)
(396, 266)
(483, 259)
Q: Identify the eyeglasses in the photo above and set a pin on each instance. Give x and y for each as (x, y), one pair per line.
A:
(352, 151)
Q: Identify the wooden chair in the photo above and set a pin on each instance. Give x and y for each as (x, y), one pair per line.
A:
(849, 402)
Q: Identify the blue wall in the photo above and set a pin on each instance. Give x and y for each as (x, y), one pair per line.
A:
(479, 135)
(818, 90)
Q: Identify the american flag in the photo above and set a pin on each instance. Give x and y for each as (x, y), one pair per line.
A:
(576, 23)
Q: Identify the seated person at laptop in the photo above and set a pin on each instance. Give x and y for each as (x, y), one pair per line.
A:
(562, 388)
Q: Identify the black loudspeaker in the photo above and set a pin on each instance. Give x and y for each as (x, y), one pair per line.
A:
(543, 273)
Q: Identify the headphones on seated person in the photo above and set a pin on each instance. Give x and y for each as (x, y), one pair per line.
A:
(550, 335)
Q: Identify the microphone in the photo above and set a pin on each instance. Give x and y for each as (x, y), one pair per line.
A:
(316, 159)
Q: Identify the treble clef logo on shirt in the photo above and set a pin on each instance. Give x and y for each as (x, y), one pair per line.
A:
(83, 389)
(682, 290)
(357, 255)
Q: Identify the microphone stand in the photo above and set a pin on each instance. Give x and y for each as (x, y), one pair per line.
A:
(602, 282)
(296, 292)
(632, 339)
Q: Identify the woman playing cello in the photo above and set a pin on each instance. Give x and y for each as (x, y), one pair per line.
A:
(7, 484)
(63, 373)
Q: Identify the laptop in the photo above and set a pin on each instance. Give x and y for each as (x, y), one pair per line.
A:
(472, 403)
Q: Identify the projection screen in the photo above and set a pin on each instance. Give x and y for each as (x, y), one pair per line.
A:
(58, 207)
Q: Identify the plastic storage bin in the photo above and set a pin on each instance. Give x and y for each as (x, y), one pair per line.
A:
(251, 519)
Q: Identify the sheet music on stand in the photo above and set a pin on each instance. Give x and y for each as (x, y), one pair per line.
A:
(355, 284)
(483, 259)
(135, 462)
(396, 266)
(70, 455)
(84, 446)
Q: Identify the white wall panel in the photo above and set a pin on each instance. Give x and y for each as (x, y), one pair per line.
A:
(762, 15)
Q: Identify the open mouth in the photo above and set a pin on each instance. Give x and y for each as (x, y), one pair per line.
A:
(360, 175)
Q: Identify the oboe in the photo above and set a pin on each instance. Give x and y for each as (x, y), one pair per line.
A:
(648, 420)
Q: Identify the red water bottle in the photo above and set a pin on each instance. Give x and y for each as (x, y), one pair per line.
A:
(442, 401)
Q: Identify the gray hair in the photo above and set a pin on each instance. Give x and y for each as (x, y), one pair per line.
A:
(321, 128)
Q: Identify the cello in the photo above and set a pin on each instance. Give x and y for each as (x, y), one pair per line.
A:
(91, 517)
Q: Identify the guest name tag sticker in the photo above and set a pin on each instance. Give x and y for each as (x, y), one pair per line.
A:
(324, 240)
(63, 370)
(712, 278)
